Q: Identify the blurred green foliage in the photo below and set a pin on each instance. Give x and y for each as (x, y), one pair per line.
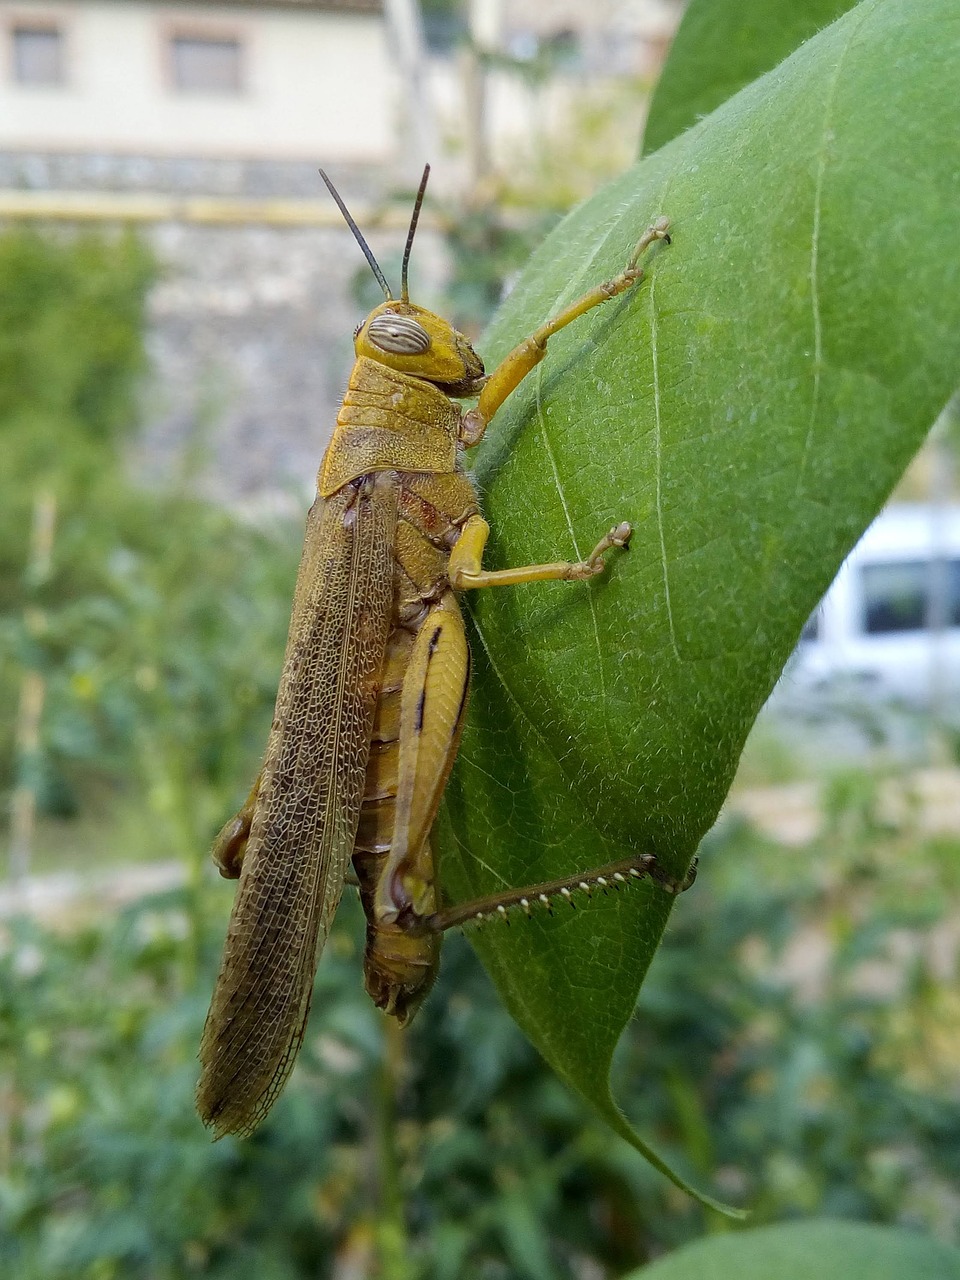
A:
(798, 1032)
(71, 354)
(160, 621)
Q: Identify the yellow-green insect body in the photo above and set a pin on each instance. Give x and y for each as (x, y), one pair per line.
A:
(372, 698)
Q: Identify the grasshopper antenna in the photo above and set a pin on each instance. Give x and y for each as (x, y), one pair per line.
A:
(358, 236)
(415, 218)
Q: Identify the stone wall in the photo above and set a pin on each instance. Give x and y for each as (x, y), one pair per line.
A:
(251, 341)
(251, 325)
(180, 175)
(250, 331)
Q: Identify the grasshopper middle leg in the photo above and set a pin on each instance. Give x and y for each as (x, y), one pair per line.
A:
(466, 570)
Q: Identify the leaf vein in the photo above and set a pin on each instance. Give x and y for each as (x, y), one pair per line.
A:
(816, 316)
(658, 469)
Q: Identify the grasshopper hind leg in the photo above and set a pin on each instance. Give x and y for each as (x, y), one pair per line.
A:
(393, 857)
(614, 875)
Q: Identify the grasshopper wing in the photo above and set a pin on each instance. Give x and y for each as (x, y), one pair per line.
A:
(308, 804)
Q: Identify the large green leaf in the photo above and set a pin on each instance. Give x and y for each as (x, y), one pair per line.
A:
(748, 408)
(723, 45)
(799, 1250)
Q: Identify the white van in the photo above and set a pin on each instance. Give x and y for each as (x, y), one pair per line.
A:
(889, 626)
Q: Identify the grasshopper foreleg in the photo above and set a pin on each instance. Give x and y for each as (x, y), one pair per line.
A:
(512, 370)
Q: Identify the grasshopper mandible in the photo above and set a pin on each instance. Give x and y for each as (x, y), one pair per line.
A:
(372, 696)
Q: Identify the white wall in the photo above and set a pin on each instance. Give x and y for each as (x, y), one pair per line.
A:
(315, 84)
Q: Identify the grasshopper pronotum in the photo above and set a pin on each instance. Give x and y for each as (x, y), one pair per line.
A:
(372, 696)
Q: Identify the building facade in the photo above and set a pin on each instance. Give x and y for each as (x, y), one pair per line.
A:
(292, 81)
(204, 125)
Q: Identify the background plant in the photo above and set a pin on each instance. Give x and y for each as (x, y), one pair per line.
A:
(825, 1086)
(802, 1089)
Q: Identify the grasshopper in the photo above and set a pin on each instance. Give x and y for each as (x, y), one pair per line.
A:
(372, 696)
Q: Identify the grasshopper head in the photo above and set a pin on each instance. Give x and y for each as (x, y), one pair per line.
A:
(409, 338)
(418, 342)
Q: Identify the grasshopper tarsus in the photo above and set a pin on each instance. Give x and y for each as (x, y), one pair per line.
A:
(595, 563)
(619, 536)
(658, 230)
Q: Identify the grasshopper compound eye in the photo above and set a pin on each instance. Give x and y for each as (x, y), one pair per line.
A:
(399, 335)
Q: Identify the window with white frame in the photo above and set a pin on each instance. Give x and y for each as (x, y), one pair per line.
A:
(206, 64)
(37, 54)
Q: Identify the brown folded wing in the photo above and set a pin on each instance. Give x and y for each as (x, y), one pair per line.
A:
(308, 805)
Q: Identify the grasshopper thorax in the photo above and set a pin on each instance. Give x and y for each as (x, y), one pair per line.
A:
(420, 343)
